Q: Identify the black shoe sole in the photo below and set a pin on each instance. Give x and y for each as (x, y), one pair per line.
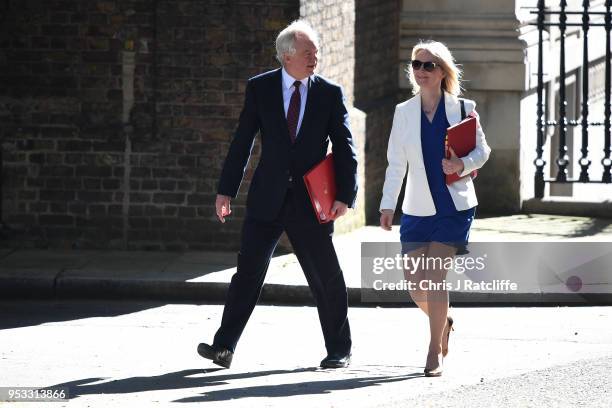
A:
(223, 364)
(329, 365)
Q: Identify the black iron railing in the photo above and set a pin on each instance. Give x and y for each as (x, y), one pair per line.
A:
(562, 161)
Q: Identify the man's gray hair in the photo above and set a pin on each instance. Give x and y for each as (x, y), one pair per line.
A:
(286, 38)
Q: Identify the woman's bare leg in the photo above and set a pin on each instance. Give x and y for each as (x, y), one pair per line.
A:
(437, 300)
(416, 276)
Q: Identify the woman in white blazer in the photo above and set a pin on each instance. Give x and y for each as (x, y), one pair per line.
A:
(436, 217)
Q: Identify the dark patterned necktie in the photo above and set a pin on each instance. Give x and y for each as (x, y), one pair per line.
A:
(293, 113)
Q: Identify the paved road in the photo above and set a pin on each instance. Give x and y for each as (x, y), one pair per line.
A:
(584, 383)
(143, 354)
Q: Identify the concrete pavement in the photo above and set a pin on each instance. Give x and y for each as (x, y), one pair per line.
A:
(204, 276)
(129, 354)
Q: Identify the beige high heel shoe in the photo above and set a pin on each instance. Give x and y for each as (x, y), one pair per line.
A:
(434, 372)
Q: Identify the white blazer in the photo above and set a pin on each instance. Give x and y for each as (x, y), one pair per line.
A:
(405, 149)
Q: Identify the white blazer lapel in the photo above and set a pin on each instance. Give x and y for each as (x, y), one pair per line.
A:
(453, 108)
(414, 122)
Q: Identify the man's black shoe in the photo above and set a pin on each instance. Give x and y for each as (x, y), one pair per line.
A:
(218, 355)
(336, 361)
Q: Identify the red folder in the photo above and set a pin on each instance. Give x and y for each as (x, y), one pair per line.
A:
(462, 138)
(321, 185)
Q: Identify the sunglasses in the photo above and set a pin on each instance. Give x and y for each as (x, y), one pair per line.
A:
(428, 66)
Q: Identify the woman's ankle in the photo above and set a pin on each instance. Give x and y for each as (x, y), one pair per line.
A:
(435, 349)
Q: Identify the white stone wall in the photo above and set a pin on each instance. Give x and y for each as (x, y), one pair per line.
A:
(484, 38)
(498, 50)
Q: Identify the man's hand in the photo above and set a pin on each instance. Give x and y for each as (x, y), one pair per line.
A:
(222, 205)
(386, 219)
(338, 209)
(452, 165)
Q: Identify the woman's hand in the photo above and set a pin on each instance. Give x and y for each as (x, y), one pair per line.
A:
(386, 219)
(452, 165)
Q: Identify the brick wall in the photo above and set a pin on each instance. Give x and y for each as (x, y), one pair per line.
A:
(334, 20)
(88, 160)
(376, 88)
(115, 116)
(206, 54)
(61, 116)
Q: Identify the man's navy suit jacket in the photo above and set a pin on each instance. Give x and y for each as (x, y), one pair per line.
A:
(282, 163)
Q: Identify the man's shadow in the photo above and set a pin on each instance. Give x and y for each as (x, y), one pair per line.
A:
(299, 388)
(196, 378)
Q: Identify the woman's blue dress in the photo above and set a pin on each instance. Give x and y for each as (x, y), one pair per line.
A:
(448, 225)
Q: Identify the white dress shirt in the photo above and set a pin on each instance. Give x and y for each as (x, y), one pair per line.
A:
(288, 89)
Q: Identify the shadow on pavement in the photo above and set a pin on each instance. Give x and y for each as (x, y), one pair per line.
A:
(592, 227)
(196, 378)
(14, 314)
(299, 388)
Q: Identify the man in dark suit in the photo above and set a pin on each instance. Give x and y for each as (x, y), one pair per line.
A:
(297, 114)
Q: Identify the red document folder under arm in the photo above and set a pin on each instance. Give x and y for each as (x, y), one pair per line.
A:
(462, 138)
(321, 185)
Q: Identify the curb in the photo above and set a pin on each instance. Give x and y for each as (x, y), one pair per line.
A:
(215, 292)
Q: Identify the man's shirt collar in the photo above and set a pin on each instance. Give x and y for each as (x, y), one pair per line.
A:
(288, 80)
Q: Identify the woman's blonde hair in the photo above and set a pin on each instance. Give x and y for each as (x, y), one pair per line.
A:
(451, 82)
